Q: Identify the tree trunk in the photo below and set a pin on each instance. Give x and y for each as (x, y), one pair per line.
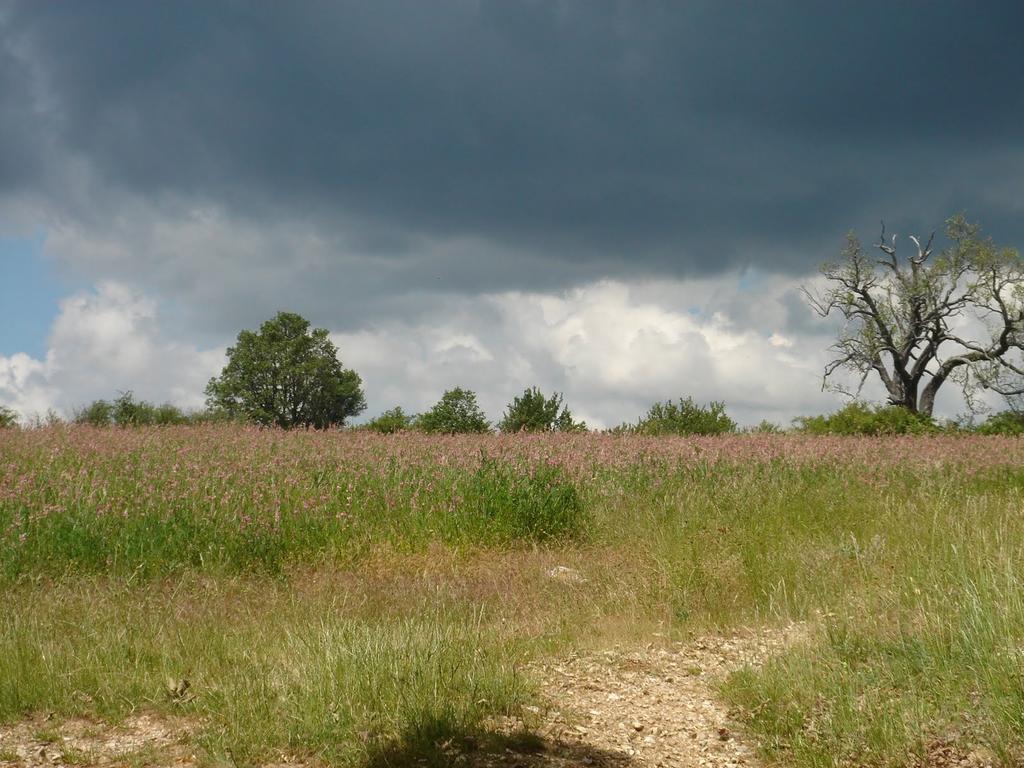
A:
(927, 404)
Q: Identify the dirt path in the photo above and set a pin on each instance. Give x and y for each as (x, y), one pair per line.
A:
(652, 707)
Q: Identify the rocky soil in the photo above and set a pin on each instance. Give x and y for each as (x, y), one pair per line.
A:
(656, 706)
(42, 742)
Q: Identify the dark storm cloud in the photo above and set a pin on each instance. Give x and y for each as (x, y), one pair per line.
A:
(19, 146)
(601, 138)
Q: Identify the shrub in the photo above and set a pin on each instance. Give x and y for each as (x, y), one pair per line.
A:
(98, 413)
(8, 418)
(389, 422)
(765, 427)
(126, 411)
(168, 414)
(1003, 423)
(532, 412)
(685, 418)
(217, 416)
(858, 418)
(505, 502)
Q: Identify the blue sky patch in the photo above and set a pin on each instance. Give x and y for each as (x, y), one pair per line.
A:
(29, 296)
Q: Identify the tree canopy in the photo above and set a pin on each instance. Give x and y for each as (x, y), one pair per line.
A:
(533, 412)
(287, 375)
(920, 319)
(456, 412)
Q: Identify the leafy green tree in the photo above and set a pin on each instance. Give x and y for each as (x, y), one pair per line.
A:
(389, 422)
(685, 418)
(8, 418)
(288, 376)
(456, 412)
(532, 412)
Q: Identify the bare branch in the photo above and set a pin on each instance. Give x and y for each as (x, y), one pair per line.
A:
(899, 312)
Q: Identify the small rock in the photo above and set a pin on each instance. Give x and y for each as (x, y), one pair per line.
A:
(637, 726)
(566, 575)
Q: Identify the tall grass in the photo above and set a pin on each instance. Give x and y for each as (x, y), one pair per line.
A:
(270, 672)
(360, 598)
(162, 500)
(923, 652)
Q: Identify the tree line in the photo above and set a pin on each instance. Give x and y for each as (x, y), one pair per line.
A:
(916, 320)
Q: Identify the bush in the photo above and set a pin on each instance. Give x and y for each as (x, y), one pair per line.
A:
(765, 427)
(126, 411)
(8, 418)
(858, 418)
(1003, 423)
(389, 422)
(98, 413)
(455, 413)
(685, 418)
(168, 414)
(216, 416)
(504, 502)
(532, 412)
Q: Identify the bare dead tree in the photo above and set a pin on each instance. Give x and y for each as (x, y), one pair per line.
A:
(920, 320)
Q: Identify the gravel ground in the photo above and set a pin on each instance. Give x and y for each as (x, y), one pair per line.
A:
(654, 706)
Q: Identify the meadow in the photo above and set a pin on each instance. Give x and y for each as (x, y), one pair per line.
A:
(356, 599)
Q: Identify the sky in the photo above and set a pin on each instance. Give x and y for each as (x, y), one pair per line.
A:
(616, 200)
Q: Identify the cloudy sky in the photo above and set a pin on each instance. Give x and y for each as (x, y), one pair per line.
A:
(616, 200)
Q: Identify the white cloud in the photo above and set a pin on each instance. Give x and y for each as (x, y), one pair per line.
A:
(23, 385)
(104, 341)
(612, 348)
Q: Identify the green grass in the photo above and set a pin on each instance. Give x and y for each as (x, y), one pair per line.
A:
(272, 668)
(928, 650)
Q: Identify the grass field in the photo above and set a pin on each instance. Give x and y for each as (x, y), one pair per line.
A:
(358, 599)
